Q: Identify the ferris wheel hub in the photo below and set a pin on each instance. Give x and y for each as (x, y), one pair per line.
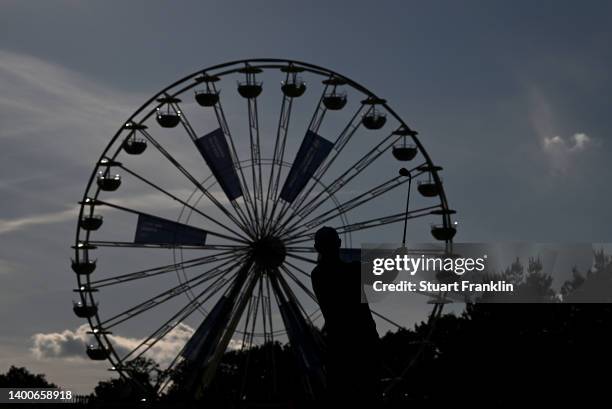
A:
(268, 252)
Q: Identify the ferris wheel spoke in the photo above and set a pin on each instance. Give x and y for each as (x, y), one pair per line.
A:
(225, 180)
(155, 271)
(212, 344)
(256, 160)
(327, 158)
(351, 204)
(184, 313)
(320, 111)
(298, 269)
(145, 245)
(293, 297)
(208, 334)
(315, 315)
(248, 336)
(381, 221)
(222, 177)
(352, 172)
(247, 321)
(299, 283)
(268, 330)
(164, 296)
(279, 151)
(339, 144)
(257, 307)
(301, 249)
(149, 342)
(223, 125)
(158, 226)
(184, 203)
(299, 330)
(313, 128)
(387, 320)
(268, 308)
(348, 252)
(193, 180)
(371, 223)
(263, 306)
(306, 259)
(250, 90)
(363, 163)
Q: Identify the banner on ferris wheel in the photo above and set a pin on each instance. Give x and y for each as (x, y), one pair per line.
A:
(157, 230)
(313, 151)
(215, 151)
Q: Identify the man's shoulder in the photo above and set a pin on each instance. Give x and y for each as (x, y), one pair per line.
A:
(317, 280)
(315, 273)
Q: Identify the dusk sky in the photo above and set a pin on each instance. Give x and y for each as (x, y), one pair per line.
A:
(511, 98)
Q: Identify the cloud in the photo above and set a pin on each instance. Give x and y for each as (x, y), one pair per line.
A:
(37, 96)
(65, 344)
(576, 143)
(560, 151)
(162, 352)
(151, 202)
(53, 121)
(12, 225)
(71, 345)
(50, 120)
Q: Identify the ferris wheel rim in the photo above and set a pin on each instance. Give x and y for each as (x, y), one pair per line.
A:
(269, 63)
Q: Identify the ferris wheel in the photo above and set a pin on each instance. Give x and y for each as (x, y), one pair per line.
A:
(195, 230)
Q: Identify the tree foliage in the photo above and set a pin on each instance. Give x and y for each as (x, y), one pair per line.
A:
(20, 377)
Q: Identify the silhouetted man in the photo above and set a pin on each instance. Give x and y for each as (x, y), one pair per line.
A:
(352, 340)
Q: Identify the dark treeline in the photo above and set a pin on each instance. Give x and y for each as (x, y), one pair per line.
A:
(20, 377)
(495, 354)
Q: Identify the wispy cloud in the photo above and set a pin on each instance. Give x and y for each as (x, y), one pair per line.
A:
(151, 202)
(12, 225)
(50, 119)
(54, 119)
(37, 96)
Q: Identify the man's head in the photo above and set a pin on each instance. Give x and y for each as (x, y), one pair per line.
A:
(327, 242)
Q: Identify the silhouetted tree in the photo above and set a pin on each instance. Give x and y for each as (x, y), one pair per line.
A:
(20, 377)
(144, 371)
(514, 354)
(257, 375)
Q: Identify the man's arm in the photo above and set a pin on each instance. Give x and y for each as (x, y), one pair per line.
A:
(320, 292)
